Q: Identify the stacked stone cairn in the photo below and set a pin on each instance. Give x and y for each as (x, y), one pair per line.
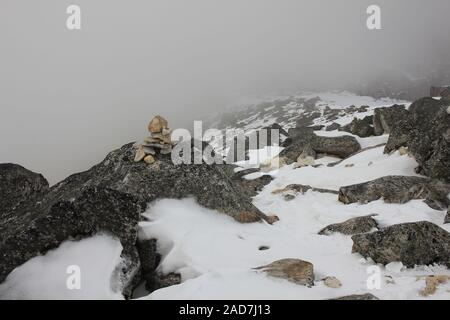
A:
(159, 141)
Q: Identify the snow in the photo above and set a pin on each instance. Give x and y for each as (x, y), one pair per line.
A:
(367, 165)
(215, 254)
(46, 277)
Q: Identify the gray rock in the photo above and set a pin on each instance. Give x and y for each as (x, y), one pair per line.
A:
(425, 131)
(398, 189)
(360, 127)
(148, 150)
(365, 296)
(384, 119)
(157, 281)
(333, 126)
(110, 197)
(18, 185)
(294, 270)
(417, 243)
(352, 226)
(342, 146)
(300, 138)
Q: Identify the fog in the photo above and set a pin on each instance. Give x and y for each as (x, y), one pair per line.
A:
(69, 97)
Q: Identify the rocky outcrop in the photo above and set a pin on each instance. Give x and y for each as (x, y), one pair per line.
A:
(18, 185)
(333, 126)
(110, 197)
(417, 243)
(398, 189)
(303, 137)
(386, 118)
(294, 270)
(360, 127)
(425, 131)
(352, 226)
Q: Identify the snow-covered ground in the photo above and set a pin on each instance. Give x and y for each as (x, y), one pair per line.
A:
(75, 270)
(215, 255)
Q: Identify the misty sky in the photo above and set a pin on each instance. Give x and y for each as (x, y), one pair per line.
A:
(69, 97)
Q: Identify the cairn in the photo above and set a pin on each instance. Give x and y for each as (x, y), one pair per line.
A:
(159, 141)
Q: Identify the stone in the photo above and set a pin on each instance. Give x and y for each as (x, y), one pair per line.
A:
(342, 146)
(294, 270)
(360, 127)
(301, 138)
(165, 151)
(352, 226)
(252, 187)
(431, 284)
(365, 296)
(149, 159)
(425, 131)
(148, 150)
(110, 197)
(18, 185)
(333, 126)
(159, 138)
(385, 118)
(403, 151)
(272, 219)
(159, 146)
(332, 282)
(416, 243)
(157, 124)
(289, 197)
(157, 281)
(139, 155)
(398, 189)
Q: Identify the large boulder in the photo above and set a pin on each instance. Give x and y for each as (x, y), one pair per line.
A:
(360, 127)
(18, 185)
(303, 137)
(342, 147)
(386, 118)
(417, 243)
(110, 197)
(425, 131)
(398, 189)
